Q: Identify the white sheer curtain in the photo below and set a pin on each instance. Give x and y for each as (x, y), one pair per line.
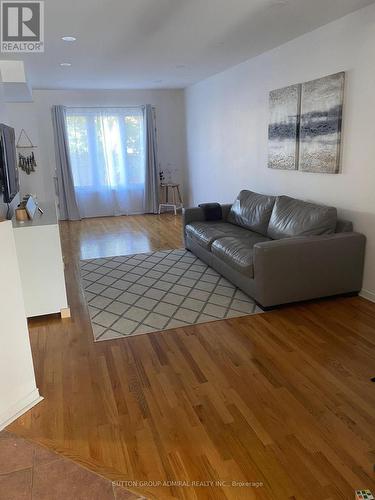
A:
(107, 153)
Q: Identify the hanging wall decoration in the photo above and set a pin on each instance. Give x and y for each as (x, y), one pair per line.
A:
(283, 128)
(321, 117)
(304, 132)
(26, 157)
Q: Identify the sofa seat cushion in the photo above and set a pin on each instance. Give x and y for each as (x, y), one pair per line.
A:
(237, 252)
(252, 211)
(291, 217)
(204, 233)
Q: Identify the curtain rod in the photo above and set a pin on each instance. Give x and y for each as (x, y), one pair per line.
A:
(105, 107)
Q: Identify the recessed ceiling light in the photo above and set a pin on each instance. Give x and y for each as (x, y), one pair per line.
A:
(278, 3)
(65, 64)
(69, 38)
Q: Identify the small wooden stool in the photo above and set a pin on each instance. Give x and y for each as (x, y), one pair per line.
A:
(176, 200)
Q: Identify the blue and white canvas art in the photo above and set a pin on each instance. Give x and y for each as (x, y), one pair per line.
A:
(320, 127)
(283, 128)
(304, 130)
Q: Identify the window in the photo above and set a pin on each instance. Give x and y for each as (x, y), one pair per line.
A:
(107, 156)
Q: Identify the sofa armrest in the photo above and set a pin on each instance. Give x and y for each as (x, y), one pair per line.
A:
(295, 269)
(196, 214)
(193, 214)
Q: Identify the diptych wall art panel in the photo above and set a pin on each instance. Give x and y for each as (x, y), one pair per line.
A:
(283, 128)
(320, 129)
(305, 125)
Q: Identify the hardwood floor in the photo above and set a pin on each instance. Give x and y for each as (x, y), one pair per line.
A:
(282, 398)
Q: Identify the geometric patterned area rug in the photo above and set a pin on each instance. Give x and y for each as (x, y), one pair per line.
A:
(149, 292)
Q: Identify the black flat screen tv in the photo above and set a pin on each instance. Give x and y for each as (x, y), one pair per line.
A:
(9, 182)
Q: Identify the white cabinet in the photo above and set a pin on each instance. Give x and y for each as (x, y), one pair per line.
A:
(18, 390)
(41, 265)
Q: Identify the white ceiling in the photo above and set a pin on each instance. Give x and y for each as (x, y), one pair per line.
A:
(165, 43)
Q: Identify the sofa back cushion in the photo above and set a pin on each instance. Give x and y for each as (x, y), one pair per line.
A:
(252, 211)
(291, 217)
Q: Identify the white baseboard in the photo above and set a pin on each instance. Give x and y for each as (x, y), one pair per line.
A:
(366, 294)
(20, 408)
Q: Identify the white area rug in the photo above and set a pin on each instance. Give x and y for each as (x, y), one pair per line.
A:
(149, 292)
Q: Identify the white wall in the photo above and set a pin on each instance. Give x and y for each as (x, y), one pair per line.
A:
(4, 118)
(227, 126)
(35, 118)
(18, 391)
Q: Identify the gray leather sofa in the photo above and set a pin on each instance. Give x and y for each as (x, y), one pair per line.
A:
(279, 249)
